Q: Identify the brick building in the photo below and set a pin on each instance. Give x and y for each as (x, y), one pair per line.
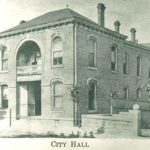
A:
(43, 58)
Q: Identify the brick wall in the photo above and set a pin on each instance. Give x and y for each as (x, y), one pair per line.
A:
(110, 81)
(43, 39)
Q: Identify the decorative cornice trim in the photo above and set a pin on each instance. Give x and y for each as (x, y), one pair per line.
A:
(129, 43)
(79, 21)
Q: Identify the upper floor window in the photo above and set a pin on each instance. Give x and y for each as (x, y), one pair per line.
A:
(125, 93)
(57, 51)
(92, 52)
(4, 96)
(4, 58)
(139, 93)
(125, 63)
(113, 58)
(138, 66)
(57, 92)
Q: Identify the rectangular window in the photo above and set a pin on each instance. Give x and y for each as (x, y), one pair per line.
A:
(58, 58)
(125, 93)
(4, 90)
(57, 95)
(4, 58)
(4, 64)
(91, 59)
(113, 58)
(138, 66)
(125, 63)
(92, 52)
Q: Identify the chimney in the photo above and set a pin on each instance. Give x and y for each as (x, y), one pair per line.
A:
(133, 32)
(22, 21)
(101, 14)
(117, 26)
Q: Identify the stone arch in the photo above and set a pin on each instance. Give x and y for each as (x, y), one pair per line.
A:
(37, 41)
(92, 36)
(56, 79)
(29, 53)
(57, 34)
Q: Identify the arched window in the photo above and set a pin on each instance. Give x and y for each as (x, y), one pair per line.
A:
(125, 93)
(92, 51)
(92, 95)
(139, 93)
(114, 58)
(4, 58)
(4, 96)
(57, 95)
(57, 51)
(139, 66)
(29, 54)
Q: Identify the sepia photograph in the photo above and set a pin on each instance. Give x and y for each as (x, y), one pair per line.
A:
(74, 74)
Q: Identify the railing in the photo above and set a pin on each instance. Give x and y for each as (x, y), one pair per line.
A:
(32, 69)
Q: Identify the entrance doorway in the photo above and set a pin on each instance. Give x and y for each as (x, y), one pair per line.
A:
(29, 98)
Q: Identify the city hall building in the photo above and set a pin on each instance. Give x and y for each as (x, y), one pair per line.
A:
(42, 59)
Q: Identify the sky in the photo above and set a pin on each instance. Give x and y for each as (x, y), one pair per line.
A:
(130, 13)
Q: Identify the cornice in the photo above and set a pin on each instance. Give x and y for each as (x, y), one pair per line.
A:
(35, 28)
(88, 24)
(136, 45)
(98, 28)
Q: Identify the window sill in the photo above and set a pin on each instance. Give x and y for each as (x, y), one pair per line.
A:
(114, 71)
(92, 68)
(57, 66)
(30, 117)
(125, 74)
(3, 71)
(57, 110)
(139, 99)
(92, 111)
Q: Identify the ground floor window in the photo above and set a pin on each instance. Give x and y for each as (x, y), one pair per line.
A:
(139, 93)
(92, 95)
(57, 89)
(4, 95)
(125, 93)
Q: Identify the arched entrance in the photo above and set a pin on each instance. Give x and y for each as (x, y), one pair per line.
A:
(28, 79)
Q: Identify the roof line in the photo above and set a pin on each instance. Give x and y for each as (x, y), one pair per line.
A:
(137, 45)
(77, 19)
